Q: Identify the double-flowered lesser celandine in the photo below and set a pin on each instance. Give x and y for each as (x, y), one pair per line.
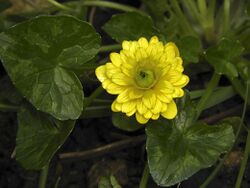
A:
(146, 76)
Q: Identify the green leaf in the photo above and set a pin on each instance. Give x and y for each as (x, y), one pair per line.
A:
(125, 123)
(41, 56)
(244, 69)
(164, 18)
(222, 57)
(129, 26)
(173, 155)
(39, 136)
(108, 182)
(178, 148)
(190, 48)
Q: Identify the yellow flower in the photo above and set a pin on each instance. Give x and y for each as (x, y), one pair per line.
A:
(146, 76)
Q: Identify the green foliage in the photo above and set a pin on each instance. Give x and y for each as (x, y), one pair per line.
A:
(163, 17)
(222, 56)
(190, 48)
(177, 151)
(40, 57)
(108, 182)
(244, 69)
(125, 123)
(39, 136)
(130, 26)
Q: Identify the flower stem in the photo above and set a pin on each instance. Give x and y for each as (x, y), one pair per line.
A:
(238, 86)
(43, 176)
(112, 47)
(8, 107)
(93, 95)
(247, 148)
(112, 5)
(182, 18)
(203, 8)
(210, 87)
(145, 175)
(226, 9)
(244, 162)
(60, 5)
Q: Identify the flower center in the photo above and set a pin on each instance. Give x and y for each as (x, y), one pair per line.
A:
(145, 78)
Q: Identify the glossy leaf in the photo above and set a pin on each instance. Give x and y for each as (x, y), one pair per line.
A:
(129, 26)
(178, 148)
(190, 48)
(174, 155)
(39, 136)
(41, 55)
(123, 122)
(222, 57)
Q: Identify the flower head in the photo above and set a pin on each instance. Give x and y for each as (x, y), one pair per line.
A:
(146, 76)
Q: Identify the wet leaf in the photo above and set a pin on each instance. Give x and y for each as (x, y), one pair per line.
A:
(179, 148)
(129, 26)
(39, 136)
(222, 57)
(190, 48)
(41, 56)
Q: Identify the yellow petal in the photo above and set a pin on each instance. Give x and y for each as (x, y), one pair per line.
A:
(149, 99)
(178, 92)
(163, 97)
(142, 109)
(131, 112)
(111, 70)
(116, 59)
(165, 87)
(101, 73)
(121, 79)
(164, 107)
(143, 42)
(135, 93)
(171, 48)
(141, 119)
(126, 45)
(116, 107)
(155, 116)
(148, 114)
(171, 111)
(128, 106)
(157, 107)
(154, 40)
(114, 88)
(183, 81)
(123, 97)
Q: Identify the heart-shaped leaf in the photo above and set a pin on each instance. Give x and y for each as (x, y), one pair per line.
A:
(39, 136)
(173, 155)
(178, 148)
(190, 49)
(129, 26)
(223, 55)
(40, 56)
